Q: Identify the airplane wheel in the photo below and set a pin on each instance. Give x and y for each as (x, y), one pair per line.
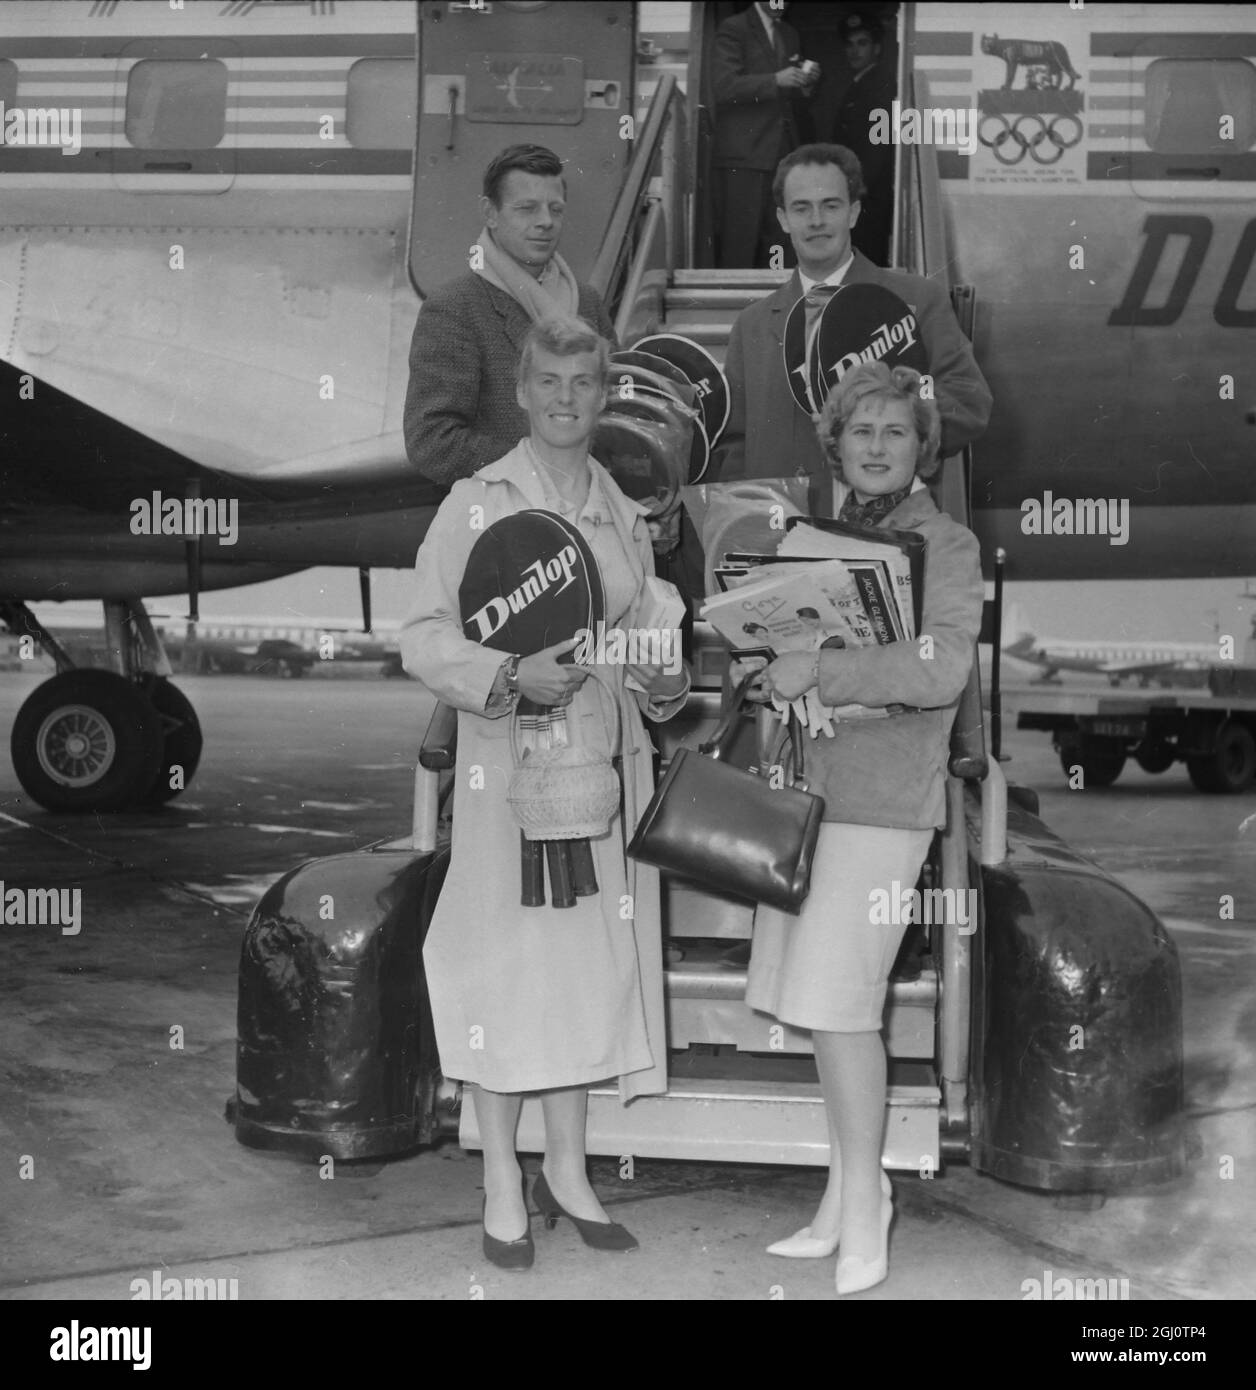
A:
(1154, 757)
(86, 741)
(182, 743)
(1100, 763)
(1230, 767)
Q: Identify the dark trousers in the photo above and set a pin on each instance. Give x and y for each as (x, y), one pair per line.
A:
(746, 228)
(871, 233)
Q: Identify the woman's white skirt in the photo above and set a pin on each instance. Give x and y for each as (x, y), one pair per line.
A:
(829, 967)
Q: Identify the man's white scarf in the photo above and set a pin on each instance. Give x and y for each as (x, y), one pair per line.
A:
(555, 295)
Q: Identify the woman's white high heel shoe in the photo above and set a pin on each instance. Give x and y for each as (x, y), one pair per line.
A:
(802, 1245)
(854, 1273)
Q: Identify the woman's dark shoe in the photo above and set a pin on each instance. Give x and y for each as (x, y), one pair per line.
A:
(601, 1235)
(514, 1255)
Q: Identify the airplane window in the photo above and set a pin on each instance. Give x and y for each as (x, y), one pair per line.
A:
(1189, 99)
(8, 83)
(176, 104)
(380, 103)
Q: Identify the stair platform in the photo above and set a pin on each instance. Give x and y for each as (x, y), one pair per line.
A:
(734, 1120)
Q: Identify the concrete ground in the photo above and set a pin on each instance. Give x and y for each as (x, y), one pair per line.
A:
(130, 1167)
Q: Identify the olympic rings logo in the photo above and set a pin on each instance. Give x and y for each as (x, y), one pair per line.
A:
(1009, 143)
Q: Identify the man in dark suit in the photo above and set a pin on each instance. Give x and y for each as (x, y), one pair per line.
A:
(871, 89)
(755, 81)
(769, 435)
(461, 411)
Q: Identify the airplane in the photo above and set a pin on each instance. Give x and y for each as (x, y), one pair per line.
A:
(242, 645)
(1116, 660)
(1171, 663)
(205, 311)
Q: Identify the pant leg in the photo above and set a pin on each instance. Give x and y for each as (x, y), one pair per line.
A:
(739, 216)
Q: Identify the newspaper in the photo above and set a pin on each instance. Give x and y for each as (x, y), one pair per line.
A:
(820, 590)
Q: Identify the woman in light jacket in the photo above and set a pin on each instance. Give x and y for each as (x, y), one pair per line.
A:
(540, 999)
(882, 779)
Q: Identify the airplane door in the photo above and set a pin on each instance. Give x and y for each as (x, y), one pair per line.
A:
(494, 73)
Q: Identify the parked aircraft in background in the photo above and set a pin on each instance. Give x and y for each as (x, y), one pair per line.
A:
(1119, 659)
(1167, 662)
(247, 646)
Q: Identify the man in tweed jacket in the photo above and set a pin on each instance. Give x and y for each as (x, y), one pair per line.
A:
(461, 411)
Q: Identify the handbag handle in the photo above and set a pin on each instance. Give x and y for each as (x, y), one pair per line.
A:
(544, 710)
(720, 741)
(791, 733)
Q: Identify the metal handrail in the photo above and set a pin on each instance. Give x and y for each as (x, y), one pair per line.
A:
(612, 256)
(929, 257)
(634, 277)
(931, 249)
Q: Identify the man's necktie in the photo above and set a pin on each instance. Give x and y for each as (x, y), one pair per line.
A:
(778, 43)
(817, 297)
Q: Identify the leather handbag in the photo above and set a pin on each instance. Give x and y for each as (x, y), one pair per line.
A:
(731, 830)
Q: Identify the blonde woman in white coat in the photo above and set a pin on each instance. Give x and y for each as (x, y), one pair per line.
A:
(539, 999)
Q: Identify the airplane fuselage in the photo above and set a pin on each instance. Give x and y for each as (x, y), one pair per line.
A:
(242, 295)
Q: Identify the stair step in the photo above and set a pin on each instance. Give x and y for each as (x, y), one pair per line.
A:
(706, 977)
(732, 1120)
(731, 279)
(710, 334)
(706, 1004)
(730, 300)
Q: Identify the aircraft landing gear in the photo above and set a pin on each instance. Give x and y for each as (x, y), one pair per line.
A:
(87, 741)
(181, 741)
(92, 740)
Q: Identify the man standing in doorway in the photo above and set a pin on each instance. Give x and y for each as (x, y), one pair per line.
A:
(871, 90)
(818, 190)
(756, 80)
(461, 411)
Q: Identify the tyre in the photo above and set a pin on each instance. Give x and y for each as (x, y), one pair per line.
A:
(1101, 760)
(1231, 766)
(1154, 757)
(87, 741)
(182, 739)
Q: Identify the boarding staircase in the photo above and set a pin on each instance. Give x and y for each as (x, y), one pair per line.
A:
(747, 1085)
(702, 304)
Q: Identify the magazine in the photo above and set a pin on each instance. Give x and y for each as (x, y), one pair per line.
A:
(902, 551)
(828, 585)
(792, 607)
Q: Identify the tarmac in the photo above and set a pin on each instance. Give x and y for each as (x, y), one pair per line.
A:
(117, 1161)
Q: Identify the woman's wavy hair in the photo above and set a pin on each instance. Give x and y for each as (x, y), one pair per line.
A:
(875, 381)
(564, 338)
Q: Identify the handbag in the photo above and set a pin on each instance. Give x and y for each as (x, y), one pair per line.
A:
(730, 830)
